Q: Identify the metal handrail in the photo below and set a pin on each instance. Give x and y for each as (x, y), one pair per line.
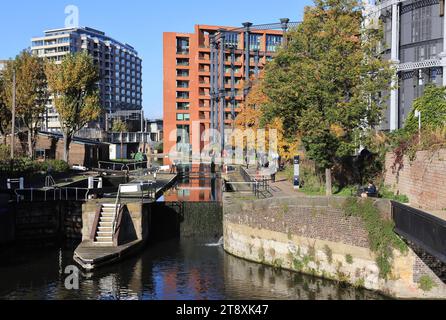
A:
(117, 203)
(49, 181)
(258, 185)
(58, 194)
(134, 164)
(114, 164)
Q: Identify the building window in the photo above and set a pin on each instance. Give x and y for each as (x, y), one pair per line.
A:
(254, 41)
(182, 84)
(183, 117)
(182, 73)
(183, 134)
(183, 62)
(182, 45)
(182, 95)
(273, 42)
(183, 105)
(232, 39)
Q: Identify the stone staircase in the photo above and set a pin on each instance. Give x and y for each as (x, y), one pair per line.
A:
(104, 231)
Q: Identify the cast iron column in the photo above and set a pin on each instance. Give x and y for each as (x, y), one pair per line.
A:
(222, 90)
(247, 26)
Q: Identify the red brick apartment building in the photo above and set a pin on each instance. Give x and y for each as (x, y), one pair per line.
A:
(187, 66)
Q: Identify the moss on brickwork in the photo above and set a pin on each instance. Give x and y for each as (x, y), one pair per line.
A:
(383, 240)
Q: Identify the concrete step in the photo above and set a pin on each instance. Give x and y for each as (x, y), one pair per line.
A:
(106, 219)
(105, 229)
(105, 224)
(108, 209)
(109, 205)
(104, 239)
(105, 214)
(105, 234)
(103, 244)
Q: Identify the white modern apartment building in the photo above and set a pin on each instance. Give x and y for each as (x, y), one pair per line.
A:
(414, 39)
(120, 69)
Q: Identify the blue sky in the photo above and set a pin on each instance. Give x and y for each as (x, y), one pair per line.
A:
(140, 23)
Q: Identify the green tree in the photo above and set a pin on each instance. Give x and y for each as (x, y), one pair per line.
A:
(326, 85)
(31, 93)
(432, 105)
(75, 94)
(119, 126)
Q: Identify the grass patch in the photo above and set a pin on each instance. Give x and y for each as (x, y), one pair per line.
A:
(329, 254)
(426, 283)
(380, 233)
(386, 193)
(349, 259)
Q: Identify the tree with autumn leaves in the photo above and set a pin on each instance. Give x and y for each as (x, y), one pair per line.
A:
(31, 95)
(73, 85)
(326, 85)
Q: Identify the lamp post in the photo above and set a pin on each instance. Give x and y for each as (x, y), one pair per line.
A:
(418, 115)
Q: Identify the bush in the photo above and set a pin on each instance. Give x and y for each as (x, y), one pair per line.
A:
(426, 283)
(26, 166)
(432, 105)
(381, 236)
(4, 152)
(56, 166)
(387, 194)
(159, 147)
(19, 167)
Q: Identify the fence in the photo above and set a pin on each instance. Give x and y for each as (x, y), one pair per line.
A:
(259, 187)
(426, 231)
(115, 166)
(53, 194)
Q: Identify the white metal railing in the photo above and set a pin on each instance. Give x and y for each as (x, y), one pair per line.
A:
(49, 182)
(131, 188)
(19, 181)
(117, 166)
(113, 165)
(53, 194)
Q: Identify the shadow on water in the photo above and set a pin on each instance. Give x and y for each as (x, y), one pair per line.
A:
(177, 269)
(183, 260)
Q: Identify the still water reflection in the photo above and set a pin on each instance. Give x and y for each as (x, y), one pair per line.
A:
(173, 270)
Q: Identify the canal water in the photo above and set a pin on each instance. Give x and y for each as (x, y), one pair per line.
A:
(184, 268)
(179, 269)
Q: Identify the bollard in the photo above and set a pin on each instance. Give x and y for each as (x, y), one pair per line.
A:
(100, 183)
(90, 183)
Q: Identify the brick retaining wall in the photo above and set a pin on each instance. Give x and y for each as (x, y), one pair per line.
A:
(422, 180)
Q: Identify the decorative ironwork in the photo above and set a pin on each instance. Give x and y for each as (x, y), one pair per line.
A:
(418, 5)
(421, 65)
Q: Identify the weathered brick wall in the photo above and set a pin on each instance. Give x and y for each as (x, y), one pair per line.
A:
(313, 235)
(315, 222)
(422, 180)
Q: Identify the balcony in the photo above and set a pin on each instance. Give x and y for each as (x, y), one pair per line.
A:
(128, 137)
(183, 51)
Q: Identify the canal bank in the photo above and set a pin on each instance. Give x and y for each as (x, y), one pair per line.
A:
(313, 235)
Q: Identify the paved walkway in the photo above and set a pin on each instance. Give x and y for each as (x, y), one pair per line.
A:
(281, 188)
